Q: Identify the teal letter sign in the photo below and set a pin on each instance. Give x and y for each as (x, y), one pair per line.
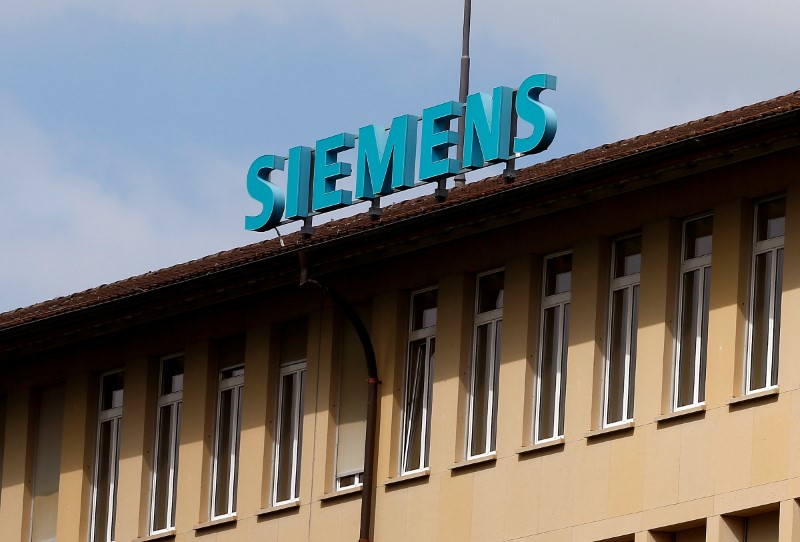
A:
(380, 154)
(487, 128)
(437, 137)
(328, 170)
(385, 159)
(262, 190)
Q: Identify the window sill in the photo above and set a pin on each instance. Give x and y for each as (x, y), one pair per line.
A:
(342, 493)
(157, 536)
(215, 522)
(769, 392)
(488, 458)
(627, 426)
(408, 477)
(552, 443)
(279, 508)
(696, 409)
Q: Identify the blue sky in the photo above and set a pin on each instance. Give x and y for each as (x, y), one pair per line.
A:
(127, 127)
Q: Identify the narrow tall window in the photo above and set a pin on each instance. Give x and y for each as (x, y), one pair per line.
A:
(551, 369)
(482, 416)
(415, 439)
(691, 343)
(619, 372)
(289, 430)
(765, 296)
(47, 466)
(165, 466)
(226, 442)
(106, 458)
(351, 428)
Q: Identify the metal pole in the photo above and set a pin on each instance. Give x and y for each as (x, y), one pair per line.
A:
(463, 87)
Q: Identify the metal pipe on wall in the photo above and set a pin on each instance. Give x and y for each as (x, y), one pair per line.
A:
(368, 484)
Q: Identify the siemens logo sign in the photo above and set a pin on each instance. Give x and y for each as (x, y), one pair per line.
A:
(386, 159)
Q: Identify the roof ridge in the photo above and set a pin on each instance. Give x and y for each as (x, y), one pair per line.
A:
(231, 258)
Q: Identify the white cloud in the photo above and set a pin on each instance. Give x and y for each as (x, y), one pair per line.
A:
(63, 230)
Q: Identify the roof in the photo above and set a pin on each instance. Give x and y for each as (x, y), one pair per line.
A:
(416, 208)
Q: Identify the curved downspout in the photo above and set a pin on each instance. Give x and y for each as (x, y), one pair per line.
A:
(368, 486)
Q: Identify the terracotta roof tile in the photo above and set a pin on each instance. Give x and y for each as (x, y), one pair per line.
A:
(399, 211)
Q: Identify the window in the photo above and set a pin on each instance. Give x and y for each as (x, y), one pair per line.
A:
(415, 437)
(763, 330)
(106, 460)
(692, 335)
(226, 442)
(551, 369)
(619, 373)
(47, 466)
(286, 480)
(165, 466)
(351, 412)
(482, 416)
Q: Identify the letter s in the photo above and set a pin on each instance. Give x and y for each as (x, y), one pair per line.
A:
(265, 192)
(539, 115)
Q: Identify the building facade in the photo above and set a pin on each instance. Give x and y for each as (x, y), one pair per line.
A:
(601, 349)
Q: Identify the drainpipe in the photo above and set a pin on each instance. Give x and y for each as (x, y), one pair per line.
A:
(368, 485)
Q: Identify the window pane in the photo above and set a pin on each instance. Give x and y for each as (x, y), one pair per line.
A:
(627, 256)
(352, 411)
(429, 399)
(633, 332)
(175, 457)
(498, 333)
(299, 435)
(162, 468)
(760, 321)
(114, 466)
(558, 273)
(424, 309)
(562, 399)
(771, 219)
(548, 373)
(616, 361)
(490, 292)
(777, 316)
(285, 439)
(415, 398)
(238, 394)
(223, 453)
(103, 481)
(698, 237)
(690, 334)
(47, 467)
(704, 336)
(480, 390)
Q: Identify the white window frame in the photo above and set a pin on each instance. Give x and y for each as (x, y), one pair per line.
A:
(428, 334)
(492, 318)
(174, 401)
(561, 301)
(114, 415)
(773, 246)
(626, 282)
(697, 264)
(235, 383)
(357, 479)
(298, 370)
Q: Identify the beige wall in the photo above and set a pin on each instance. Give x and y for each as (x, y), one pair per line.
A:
(723, 472)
